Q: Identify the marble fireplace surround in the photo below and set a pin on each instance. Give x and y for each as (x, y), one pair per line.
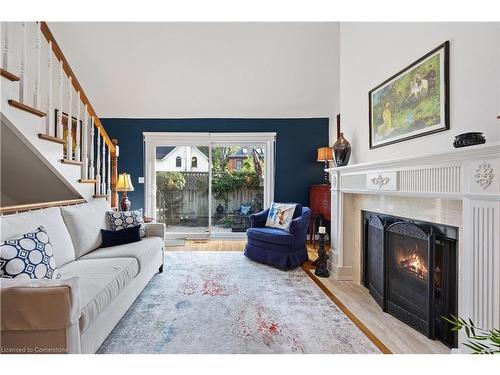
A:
(460, 188)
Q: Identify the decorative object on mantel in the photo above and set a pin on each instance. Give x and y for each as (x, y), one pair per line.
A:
(341, 148)
(469, 139)
(124, 185)
(325, 156)
(413, 102)
(484, 175)
(321, 262)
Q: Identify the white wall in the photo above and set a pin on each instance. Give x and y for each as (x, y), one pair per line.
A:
(24, 177)
(168, 163)
(372, 52)
(169, 70)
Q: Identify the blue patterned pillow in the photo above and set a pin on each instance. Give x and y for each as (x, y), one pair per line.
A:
(28, 256)
(280, 215)
(126, 219)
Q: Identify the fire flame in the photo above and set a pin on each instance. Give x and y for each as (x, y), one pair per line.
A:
(414, 265)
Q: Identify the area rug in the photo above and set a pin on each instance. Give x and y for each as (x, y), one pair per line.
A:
(222, 302)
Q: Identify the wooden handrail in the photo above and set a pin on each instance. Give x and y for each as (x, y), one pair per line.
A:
(60, 56)
(37, 206)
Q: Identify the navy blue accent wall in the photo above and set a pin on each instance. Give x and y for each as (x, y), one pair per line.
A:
(296, 143)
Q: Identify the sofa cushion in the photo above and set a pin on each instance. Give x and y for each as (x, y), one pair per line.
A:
(119, 220)
(144, 251)
(51, 220)
(84, 223)
(274, 235)
(100, 281)
(29, 256)
(114, 238)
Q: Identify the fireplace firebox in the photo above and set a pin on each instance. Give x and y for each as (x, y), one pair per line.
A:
(410, 269)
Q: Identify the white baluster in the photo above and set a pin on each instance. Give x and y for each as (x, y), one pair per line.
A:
(85, 145)
(91, 151)
(69, 138)
(77, 147)
(60, 130)
(50, 109)
(98, 166)
(38, 47)
(109, 175)
(6, 45)
(23, 77)
(103, 167)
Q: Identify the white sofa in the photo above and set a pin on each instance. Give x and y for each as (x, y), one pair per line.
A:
(76, 313)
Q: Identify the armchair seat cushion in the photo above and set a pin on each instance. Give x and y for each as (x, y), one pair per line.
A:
(273, 235)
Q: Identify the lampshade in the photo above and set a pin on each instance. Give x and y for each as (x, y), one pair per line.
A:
(124, 183)
(325, 154)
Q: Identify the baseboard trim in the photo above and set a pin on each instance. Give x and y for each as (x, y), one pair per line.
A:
(340, 273)
(309, 270)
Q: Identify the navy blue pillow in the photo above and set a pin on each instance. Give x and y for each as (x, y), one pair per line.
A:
(120, 237)
(298, 211)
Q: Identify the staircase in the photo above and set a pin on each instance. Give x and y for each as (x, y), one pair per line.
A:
(39, 94)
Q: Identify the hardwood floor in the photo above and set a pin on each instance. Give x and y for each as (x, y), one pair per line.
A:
(388, 333)
(209, 245)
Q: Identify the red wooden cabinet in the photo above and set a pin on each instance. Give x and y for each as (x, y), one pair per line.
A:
(319, 200)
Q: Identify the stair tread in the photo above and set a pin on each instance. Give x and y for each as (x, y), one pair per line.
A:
(26, 108)
(49, 138)
(100, 196)
(10, 76)
(72, 162)
(87, 181)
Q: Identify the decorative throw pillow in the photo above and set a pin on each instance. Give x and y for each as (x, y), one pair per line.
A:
(245, 209)
(126, 219)
(28, 256)
(280, 215)
(120, 237)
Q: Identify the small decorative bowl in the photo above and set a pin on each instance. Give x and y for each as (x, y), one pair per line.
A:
(469, 139)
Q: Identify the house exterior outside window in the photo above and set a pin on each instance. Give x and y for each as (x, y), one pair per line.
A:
(178, 162)
(238, 165)
(194, 162)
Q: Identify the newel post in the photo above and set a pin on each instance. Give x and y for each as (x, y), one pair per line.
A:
(114, 173)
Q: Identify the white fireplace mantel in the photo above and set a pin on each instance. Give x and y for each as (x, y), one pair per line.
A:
(470, 175)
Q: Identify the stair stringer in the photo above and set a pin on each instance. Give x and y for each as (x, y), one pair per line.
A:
(27, 127)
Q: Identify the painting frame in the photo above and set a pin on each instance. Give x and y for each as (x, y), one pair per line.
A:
(73, 131)
(443, 53)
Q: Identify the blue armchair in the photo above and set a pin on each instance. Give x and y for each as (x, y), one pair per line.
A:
(277, 247)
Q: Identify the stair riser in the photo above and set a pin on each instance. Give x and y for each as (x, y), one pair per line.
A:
(27, 127)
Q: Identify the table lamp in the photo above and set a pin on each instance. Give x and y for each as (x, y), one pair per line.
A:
(124, 185)
(325, 155)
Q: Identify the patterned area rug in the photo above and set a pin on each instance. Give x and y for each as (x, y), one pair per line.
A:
(221, 302)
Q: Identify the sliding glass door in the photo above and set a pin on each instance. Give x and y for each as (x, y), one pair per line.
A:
(201, 184)
(182, 189)
(237, 188)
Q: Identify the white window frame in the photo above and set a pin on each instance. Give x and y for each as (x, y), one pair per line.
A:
(157, 139)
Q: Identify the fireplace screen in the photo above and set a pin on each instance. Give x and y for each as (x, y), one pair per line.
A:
(408, 288)
(410, 269)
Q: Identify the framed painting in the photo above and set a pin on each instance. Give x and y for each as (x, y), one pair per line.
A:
(65, 131)
(413, 102)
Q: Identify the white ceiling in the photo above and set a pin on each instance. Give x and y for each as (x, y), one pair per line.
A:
(167, 70)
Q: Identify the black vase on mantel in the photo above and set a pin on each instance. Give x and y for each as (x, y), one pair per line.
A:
(341, 151)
